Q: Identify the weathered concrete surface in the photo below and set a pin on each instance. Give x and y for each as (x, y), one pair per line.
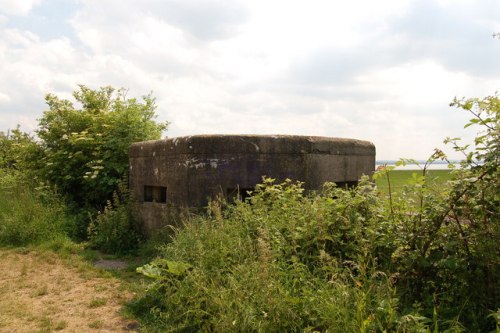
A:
(193, 169)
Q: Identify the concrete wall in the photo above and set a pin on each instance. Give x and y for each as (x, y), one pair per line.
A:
(187, 171)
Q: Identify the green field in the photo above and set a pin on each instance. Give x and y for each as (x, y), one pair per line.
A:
(398, 178)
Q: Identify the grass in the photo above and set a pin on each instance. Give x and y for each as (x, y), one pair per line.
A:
(97, 302)
(96, 324)
(399, 178)
(41, 288)
(29, 216)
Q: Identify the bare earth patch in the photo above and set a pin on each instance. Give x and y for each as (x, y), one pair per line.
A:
(110, 264)
(41, 292)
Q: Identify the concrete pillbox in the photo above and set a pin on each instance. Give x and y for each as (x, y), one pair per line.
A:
(189, 171)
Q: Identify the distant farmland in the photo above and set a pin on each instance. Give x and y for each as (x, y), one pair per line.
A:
(398, 178)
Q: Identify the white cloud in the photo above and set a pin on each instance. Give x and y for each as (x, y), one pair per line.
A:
(17, 7)
(4, 98)
(335, 68)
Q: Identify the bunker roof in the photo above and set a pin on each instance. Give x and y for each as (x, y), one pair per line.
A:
(252, 144)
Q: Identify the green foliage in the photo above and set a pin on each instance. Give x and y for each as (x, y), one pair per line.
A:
(9, 148)
(29, 216)
(86, 148)
(279, 262)
(449, 235)
(82, 154)
(116, 230)
(418, 258)
(474, 204)
(18, 153)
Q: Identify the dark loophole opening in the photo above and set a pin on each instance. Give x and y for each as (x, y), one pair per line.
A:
(155, 194)
(238, 193)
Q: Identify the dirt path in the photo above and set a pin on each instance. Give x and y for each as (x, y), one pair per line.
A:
(40, 292)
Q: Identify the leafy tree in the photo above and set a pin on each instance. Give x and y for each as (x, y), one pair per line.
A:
(86, 145)
(15, 147)
(19, 153)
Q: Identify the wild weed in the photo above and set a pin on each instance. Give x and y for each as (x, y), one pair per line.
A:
(29, 216)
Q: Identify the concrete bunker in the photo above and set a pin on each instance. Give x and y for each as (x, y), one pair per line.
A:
(188, 171)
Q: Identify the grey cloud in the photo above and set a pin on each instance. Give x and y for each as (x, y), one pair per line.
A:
(455, 38)
(205, 20)
(331, 67)
(163, 64)
(326, 92)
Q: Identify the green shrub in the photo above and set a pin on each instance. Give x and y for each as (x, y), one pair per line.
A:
(447, 246)
(84, 145)
(115, 230)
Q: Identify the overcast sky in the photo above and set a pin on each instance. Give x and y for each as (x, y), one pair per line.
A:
(383, 71)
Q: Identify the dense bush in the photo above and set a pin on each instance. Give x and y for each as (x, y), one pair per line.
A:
(85, 149)
(81, 156)
(422, 259)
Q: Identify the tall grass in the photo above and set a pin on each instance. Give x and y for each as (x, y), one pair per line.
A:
(29, 216)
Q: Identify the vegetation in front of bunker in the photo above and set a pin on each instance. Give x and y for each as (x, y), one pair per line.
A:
(116, 229)
(422, 259)
(84, 151)
(73, 174)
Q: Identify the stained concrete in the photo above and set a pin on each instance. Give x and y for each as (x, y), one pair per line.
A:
(188, 171)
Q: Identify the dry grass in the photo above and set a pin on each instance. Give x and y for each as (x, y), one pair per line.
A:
(43, 293)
